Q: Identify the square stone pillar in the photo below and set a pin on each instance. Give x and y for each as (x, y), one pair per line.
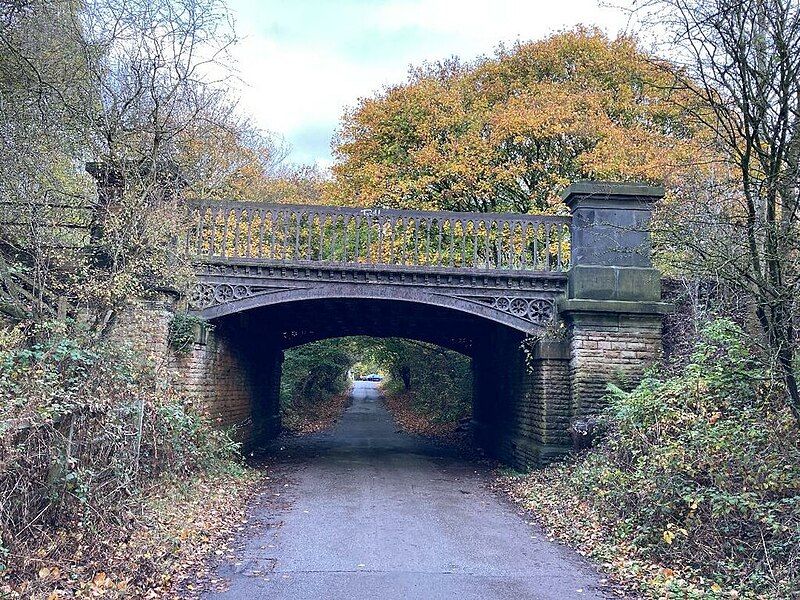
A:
(550, 397)
(613, 306)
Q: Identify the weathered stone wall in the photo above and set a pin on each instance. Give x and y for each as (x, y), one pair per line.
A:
(607, 348)
(550, 389)
(236, 383)
(143, 326)
(613, 307)
(217, 375)
(522, 405)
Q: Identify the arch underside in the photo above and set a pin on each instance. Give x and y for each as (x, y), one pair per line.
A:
(406, 309)
(299, 316)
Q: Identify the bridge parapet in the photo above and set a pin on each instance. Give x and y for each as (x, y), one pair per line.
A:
(340, 235)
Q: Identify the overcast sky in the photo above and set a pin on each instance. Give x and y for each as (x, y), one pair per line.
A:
(304, 61)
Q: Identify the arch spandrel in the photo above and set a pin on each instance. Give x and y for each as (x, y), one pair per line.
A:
(526, 314)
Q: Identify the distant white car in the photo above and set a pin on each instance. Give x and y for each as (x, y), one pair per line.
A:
(373, 377)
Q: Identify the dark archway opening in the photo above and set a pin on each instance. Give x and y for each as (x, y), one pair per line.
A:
(502, 419)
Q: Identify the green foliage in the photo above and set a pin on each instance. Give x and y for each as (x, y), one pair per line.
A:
(314, 373)
(84, 428)
(701, 470)
(439, 381)
(182, 330)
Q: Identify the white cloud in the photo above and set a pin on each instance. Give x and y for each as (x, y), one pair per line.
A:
(295, 86)
(480, 20)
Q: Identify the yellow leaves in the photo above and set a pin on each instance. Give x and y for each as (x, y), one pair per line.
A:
(514, 128)
(44, 573)
(672, 532)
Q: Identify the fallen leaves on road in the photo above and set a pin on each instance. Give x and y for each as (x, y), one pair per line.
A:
(313, 417)
(410, 421)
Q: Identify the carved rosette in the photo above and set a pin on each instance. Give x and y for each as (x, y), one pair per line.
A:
(205, 295)
(539, 311)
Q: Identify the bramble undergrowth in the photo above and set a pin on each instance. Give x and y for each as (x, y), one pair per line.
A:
(695, 490)
(87, 431)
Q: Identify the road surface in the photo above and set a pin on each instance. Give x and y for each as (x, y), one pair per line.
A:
(373, 513)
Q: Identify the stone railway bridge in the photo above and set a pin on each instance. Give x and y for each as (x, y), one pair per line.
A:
(549, 309)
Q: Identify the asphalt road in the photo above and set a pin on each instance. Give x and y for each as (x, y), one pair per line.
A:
(373, 513)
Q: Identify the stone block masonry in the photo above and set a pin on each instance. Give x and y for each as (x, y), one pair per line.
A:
(234, 382)
(521, 399)
(216, 374)
(613, 308)
(143, 327)
(608, 348)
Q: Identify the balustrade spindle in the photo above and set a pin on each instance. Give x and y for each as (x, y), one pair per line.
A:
(452, 231)
(474, 243)
(392, 229)
(226, 217)
(298, 220)
(427, 260)
(249, 225)
(334, 226)
(548, 263)
(272, 228)
(357, 252)
(368, 257)
(345, 225)
(558, 246)
(403, 254)
(439, 241)
(463, 243)
(379, 251)
(237, 219)
(261, 233)
(198, 242)
(487, 225)
(384, 236)
(212, 241)
(323, 217)
(524, 245)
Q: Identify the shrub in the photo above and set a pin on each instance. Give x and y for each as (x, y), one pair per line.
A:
(181, 332)
(83, 429)
(436, 381)
(313, 374)
(702, 469)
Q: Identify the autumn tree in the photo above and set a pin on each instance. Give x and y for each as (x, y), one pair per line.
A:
(743, 59)
(115, 85)
(508, 133)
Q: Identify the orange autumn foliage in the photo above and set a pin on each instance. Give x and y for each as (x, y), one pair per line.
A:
(510, 132)
(234, 161)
